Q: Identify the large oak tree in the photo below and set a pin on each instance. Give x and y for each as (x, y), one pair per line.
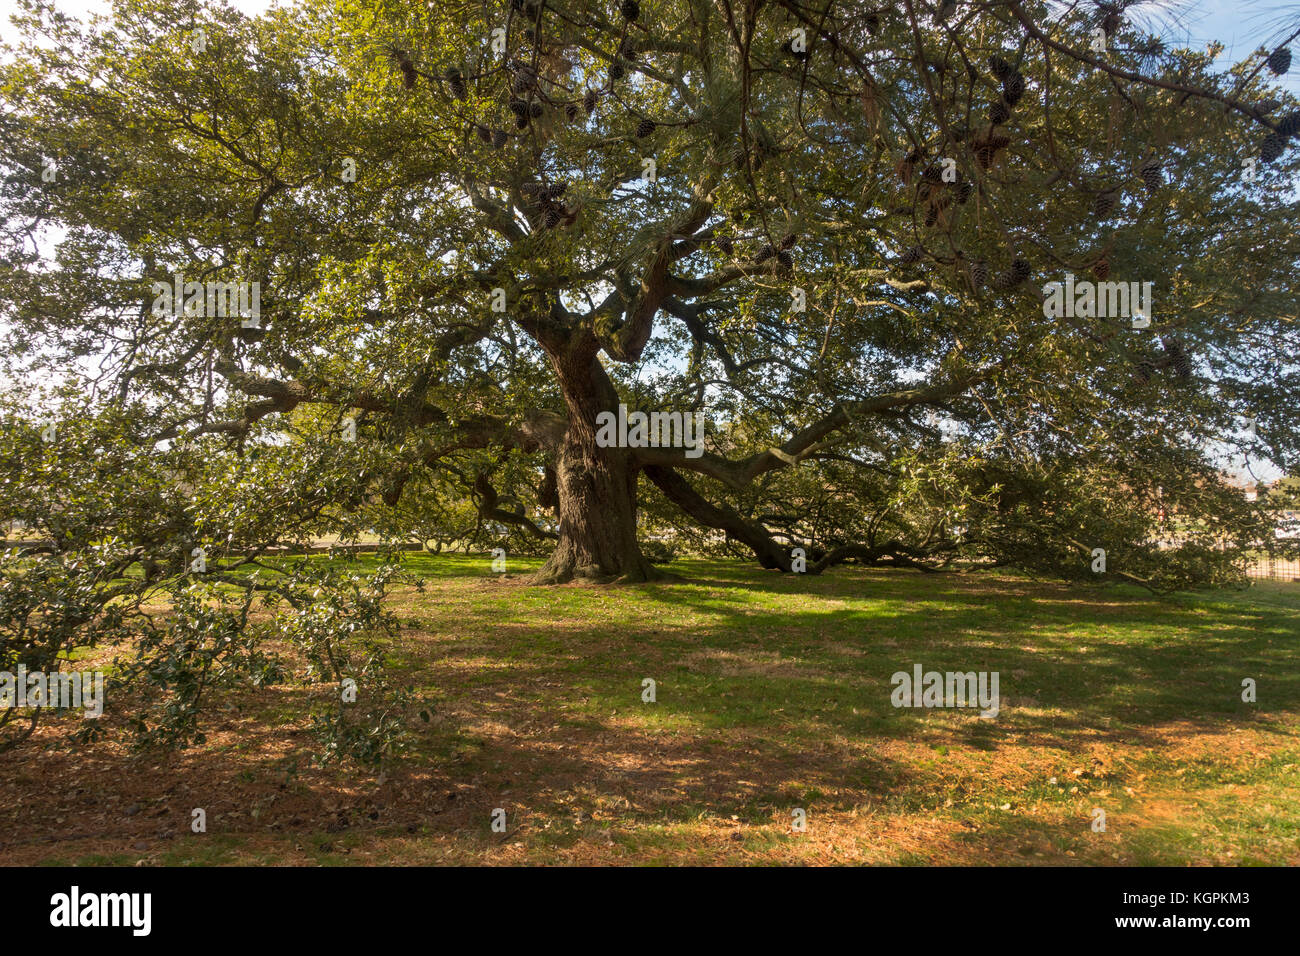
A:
(475, 227)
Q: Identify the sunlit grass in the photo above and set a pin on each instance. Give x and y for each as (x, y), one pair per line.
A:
(772, 694)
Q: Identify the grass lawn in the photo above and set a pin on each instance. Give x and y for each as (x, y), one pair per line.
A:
(773, 694)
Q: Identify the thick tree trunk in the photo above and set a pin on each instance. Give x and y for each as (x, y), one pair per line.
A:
(595, 487)
(597, 509)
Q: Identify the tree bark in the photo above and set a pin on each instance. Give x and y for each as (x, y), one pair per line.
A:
(597, 510)
(595, 487)
(771, 555)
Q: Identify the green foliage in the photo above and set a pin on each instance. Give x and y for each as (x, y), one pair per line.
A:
(922, 410)
(205, 643)
(658, 552)
(109, 525)
(376, 287)
(340, 633)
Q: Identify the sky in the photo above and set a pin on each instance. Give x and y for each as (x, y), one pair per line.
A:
(81, 7)
(1240, 25)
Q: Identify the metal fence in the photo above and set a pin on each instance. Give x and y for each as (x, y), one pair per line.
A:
(1274, 569)
(272, 550)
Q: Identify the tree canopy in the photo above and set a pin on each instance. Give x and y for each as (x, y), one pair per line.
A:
(827, 231)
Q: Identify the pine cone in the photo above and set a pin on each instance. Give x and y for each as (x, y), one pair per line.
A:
(484, 133)
(1104, 205)
(786, 260)
(499, 138)
(1000, 67)
(964, 190)
(644, 128)
(1151, 176)
(1013, 88)
(456, 83)
(999, 113)
(767, 252)
(788, 49)
(1289, 125)
(630, 10)
(725, 244)
(571, 111)
(1272, 148)
(1143, 371)
(788, 240)
(525, 78)
(589, 100)
(1101, 268)
(911, 256)
(1279, 61)
(616, 71)
(409, 75)
(979, 273)
(986, 150)
(1178, 358)
(519, 107)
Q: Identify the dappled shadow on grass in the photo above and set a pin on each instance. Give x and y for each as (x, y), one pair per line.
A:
(772, 692)
(758, 706)
(1090, 660)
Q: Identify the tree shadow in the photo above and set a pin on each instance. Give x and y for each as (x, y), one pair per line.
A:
(769, 694)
